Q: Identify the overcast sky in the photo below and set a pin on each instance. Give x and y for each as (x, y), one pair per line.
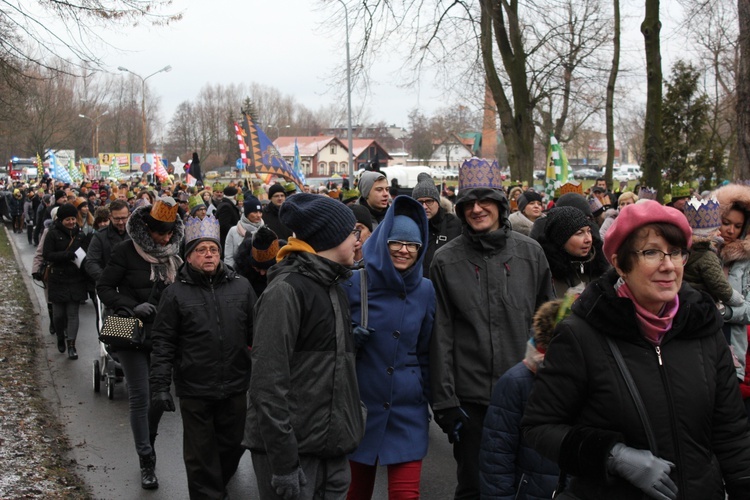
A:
(283, 44)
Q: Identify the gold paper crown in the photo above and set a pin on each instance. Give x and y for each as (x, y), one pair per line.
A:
(571, 187)
(164, 209)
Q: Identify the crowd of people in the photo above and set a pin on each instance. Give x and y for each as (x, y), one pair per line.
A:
(593, 345)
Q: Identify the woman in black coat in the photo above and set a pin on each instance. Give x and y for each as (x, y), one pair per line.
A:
(689, 438)
(66, 286)
(136, 274)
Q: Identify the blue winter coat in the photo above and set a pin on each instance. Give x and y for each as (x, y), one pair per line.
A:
(392, 367)
(508, 468)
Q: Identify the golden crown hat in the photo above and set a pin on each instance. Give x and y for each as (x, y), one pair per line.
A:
(206, 229)
(681, 190)
(647, 193)
(703, 215)
(571, 187)
(164, 209)
(479, 173)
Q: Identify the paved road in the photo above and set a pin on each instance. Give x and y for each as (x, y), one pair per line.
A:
(99, 430)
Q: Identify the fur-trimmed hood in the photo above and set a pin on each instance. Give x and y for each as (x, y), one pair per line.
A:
(733, 194)
(736, 251)
(138, 230)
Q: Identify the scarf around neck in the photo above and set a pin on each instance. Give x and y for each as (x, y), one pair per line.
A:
(164, 260)
(653, 326)
(245, 225)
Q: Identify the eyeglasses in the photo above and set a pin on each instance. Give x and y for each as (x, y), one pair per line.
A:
(483, 203)
(395, 246)
(119, 219)
(357, 234)
(428, 201)
(207, 250)
(655, 257)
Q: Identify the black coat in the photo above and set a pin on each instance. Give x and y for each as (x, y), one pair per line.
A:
(443, 228)
(67, 282)
(580, 405)
(228, 215)
(100, 250)
(202, 333)
(271, 218)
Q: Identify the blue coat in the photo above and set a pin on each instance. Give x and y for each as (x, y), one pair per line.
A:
(392, 367)
(508, 468)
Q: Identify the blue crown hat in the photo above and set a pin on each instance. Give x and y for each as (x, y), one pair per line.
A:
(704, 216)
(479, 173)
(197, 230)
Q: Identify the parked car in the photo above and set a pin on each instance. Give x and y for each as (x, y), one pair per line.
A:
(586, 173)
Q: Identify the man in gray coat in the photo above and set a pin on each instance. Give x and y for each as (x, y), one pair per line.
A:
(488, 283)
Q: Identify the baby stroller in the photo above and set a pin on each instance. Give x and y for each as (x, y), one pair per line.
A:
(107, 368)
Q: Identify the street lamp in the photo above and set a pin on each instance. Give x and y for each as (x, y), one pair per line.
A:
(278, 133)
(349, 96)
(95, 136)
(165, 69)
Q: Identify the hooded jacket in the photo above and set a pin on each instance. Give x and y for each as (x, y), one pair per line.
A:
(228, 215)
(393, 365)
(487, 288)
(202, 333)
(303, 391)
(580, 405)
(244, 229)
(568, 271)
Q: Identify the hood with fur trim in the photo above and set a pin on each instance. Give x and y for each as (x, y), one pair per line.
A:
(138, 230)
(735, 196)
(736, 251)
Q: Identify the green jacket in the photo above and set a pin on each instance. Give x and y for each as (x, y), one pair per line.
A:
(704, 272)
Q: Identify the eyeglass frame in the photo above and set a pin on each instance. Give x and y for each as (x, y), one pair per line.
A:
(684, 254)
(207, 250)
(483, 203)
(357, 233)
(402, 244)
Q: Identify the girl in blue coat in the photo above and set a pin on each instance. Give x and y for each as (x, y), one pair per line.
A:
(392, 359)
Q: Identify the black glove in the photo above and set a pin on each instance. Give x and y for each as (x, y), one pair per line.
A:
(70, 255)
(288, 486)
(643, 470)
(144, 310)
(361, 334)
(452, 420)
(162, 401)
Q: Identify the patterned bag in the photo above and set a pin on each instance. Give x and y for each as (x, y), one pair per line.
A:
(122, 331)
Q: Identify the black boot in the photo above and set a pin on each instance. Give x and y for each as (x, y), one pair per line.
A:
(72, 353)
(148, 476)
(51, 323)
(61, 341)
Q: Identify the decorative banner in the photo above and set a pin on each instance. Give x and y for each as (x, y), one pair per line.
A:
(39, 167)
(263, 157)
(240, 134)
(75, 174)
(557, 168)
(57, 171)
(114, 169)
(297, 165)
(159, 171)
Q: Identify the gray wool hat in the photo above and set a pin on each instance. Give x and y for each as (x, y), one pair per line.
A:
(425, 188)
(367, 180)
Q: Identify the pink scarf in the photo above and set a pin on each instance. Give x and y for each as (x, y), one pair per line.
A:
(653, 327)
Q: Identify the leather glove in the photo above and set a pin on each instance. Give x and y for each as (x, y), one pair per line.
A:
(144, 310)
(288, 486)
(643, 470)
(361, 334)
(162, 401)
(452, 420)
(70, 255)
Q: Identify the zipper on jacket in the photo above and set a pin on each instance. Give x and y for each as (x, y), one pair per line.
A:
(672, 417)
(658, 355)
(221, 337)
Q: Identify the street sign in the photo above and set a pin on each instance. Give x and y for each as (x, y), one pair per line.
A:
(145, 167)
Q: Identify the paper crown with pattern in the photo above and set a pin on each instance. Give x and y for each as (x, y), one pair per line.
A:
(164, 209)
(595, 204)
(703, 215)
(569, 187)
(681, 190)
(206, 229)
(479, 173)
(647, 193)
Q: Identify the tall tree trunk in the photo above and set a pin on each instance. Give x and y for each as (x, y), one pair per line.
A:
(611, 96)
(742, 167)
(653, 142)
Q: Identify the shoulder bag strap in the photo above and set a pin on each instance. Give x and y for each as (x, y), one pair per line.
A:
(363, 297)
(634, 394)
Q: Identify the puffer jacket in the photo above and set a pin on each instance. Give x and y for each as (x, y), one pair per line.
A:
(202, 333)
(67, 282)
(736, 259)
(704, 272)
(580, 405)
(487, 288)
(393, 365)
(303, 396)
(509, 469)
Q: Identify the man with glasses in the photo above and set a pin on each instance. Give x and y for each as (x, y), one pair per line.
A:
(104, 240)
(488, 283)
(443, 226)
(211, 342)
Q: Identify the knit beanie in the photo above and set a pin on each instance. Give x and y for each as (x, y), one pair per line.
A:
(250, 205)
(59, 195)
(320, 221)
(367, 180)
(405, 229)
(276, 188)
(526, 198)
(67, 210)
(562, 223)
(362, 215)
(425, 188)
(230, 191)
(264, 248)
(574, 200)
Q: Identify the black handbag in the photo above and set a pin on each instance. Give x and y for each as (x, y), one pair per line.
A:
(122, 330)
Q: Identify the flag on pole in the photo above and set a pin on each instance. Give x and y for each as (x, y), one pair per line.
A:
(557, 168)
(39, 167)
(159, 171)
(297, 165)
(240, 134)
(262, 155)
(57, 171)
(75, 174)
(191, 181)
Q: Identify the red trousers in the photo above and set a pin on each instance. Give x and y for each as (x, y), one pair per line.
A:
(403, 481)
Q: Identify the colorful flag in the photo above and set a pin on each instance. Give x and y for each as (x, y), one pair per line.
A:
(241, 142)
(557, 168)
(75, 174)
(57, 171)
(159, 171)
(262, 156)
(39, 167)
(297, 165)
(191, 181)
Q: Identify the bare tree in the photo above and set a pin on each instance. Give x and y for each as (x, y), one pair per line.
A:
(653, 142)
(610, 105)
(742, 170)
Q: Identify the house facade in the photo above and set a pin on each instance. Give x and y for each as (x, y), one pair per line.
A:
(320, 156)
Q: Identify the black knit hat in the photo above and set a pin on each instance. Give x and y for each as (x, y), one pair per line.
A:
(362, 215)
(276, 188)
(230, 191)
(526, 198)
(264, 249)
(66, 210)
(319, 221)
(59, 194)
(564, 222)
(251, 204)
